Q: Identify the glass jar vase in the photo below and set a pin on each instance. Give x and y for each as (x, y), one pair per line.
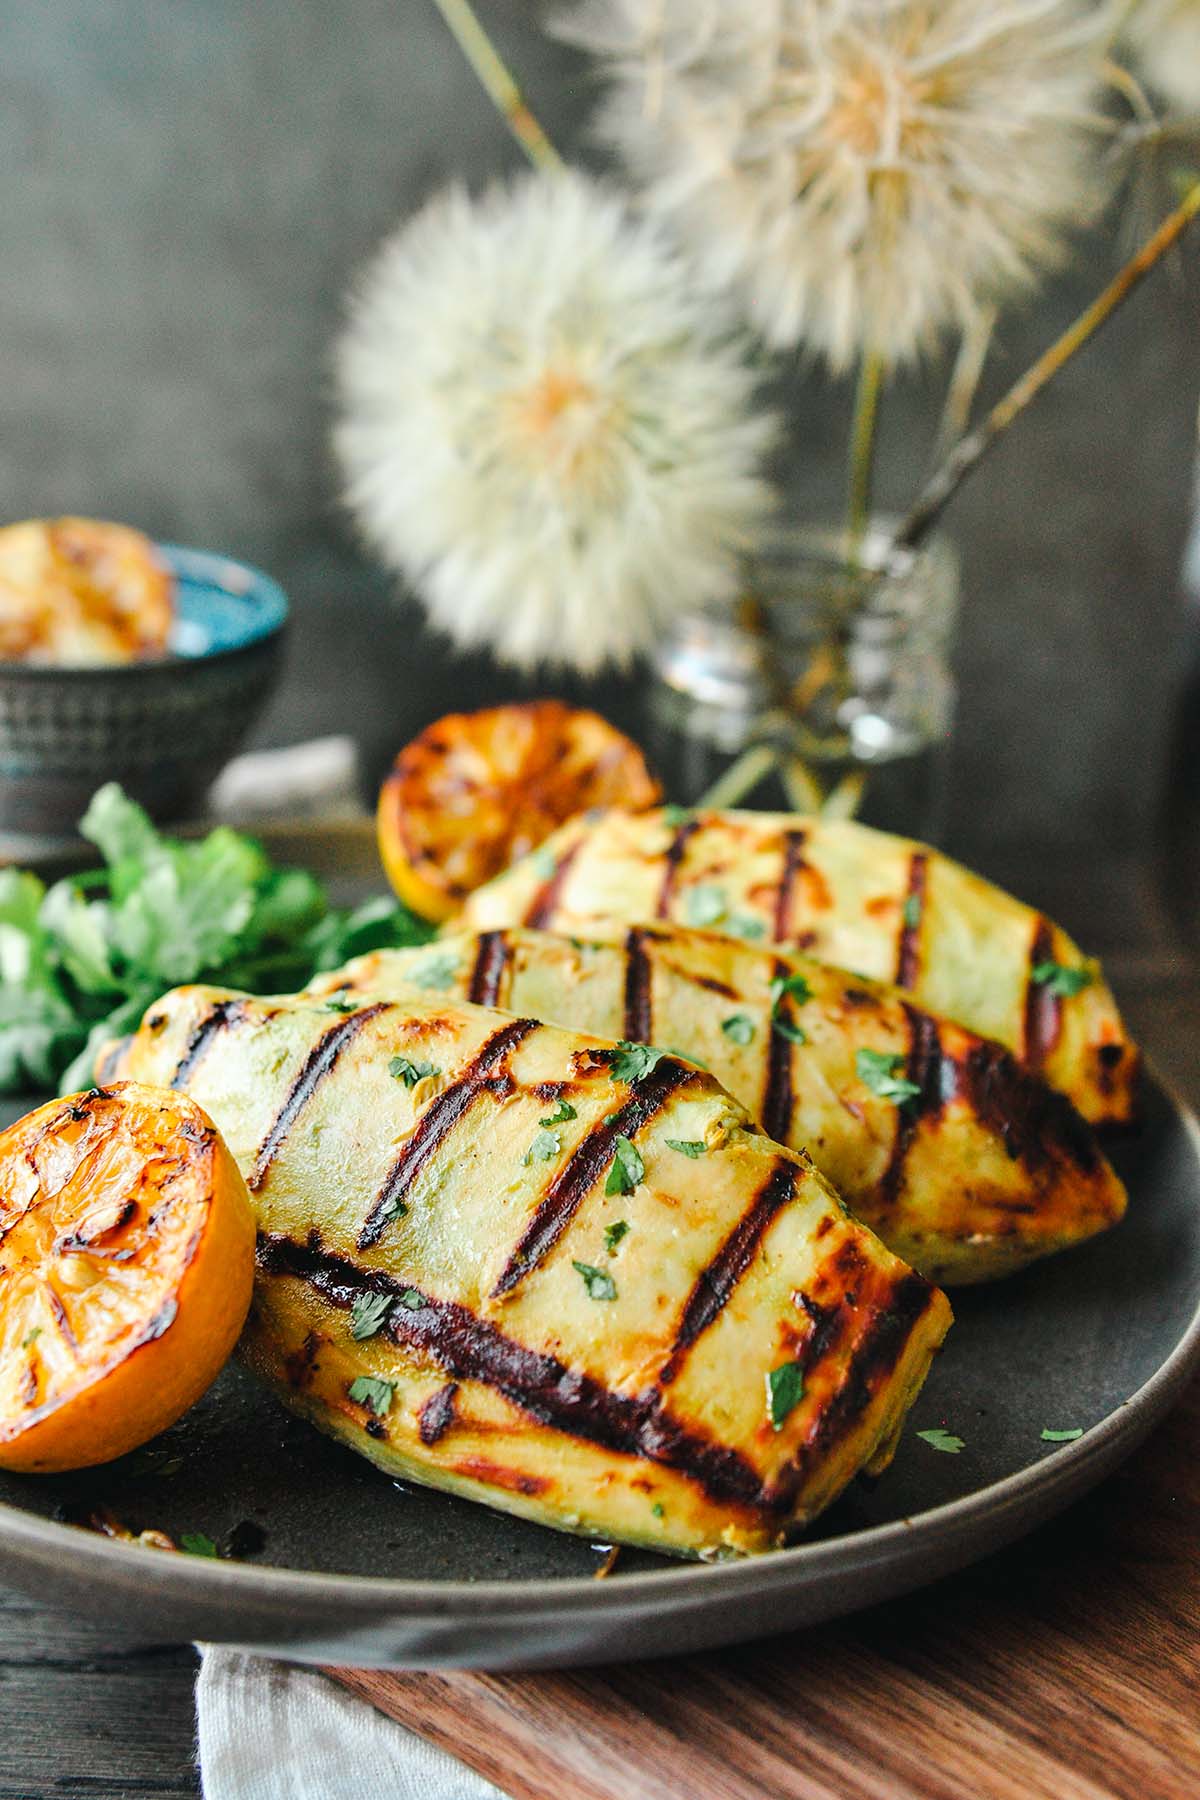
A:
(828, 684)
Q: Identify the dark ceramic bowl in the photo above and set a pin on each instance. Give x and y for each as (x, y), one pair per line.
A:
(162, 729)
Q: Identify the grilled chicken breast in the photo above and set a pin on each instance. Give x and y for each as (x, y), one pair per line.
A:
(974, 1171)
(507, 1260)
(878, 905)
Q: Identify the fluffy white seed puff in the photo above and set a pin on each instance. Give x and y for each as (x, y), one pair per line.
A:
(866, 171)
(1164, 36)
(548, 423)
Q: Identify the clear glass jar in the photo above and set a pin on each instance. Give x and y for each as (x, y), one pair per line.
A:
(829, 681)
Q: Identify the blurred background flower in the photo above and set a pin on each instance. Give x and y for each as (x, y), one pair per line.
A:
(1163, 38)
(549, 423)
(867, 171)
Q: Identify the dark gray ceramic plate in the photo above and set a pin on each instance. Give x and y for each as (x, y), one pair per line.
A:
(339, 1564)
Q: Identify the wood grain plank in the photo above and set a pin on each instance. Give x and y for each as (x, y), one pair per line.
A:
(84, 1713)
(1064, 1668)
(78, 1732)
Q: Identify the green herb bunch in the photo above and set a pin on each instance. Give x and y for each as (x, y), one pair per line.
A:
(81, 961)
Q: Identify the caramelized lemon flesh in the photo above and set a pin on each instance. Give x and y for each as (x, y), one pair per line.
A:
(475, 791)
(126, 1269)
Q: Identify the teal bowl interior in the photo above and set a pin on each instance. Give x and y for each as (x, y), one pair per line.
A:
(162, 729)
(220, 605)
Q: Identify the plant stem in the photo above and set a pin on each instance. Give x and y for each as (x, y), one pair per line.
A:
(502, 90)
(1131, 89)
(862, 450)
(742, 776)
(964, 379)
(801, 786)
(947, 477)
(843, 801)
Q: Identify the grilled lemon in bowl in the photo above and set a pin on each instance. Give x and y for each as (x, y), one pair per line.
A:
(122, 660)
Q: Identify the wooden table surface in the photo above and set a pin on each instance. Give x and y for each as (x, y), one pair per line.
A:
(1064, 1668)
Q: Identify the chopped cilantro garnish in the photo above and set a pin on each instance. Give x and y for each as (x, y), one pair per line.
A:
(658, 1509)
(786, 1028)
(911, 911)
(792, 987)
(393, 1208)
(687, 1146)
(614, 1233)
(404, 1069)
(785, 1390)
(879, 1070)
(598, 1282)
(435, 971)
(942, 1440)
(544, 864)
(704, 905)
(1061, 1437)
(373, 1393)
(368, 1313)
(1057, 978)
(197, 1543)
(562, 1113)
(31, 1337)
(627, 1169)
(545, 1145)
(632, 1062)
(744, 925)
(676, 816)
(738, 1028)
(412, 1299)
(341, 1006)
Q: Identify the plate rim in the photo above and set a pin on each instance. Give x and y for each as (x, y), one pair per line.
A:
(1064, 1474)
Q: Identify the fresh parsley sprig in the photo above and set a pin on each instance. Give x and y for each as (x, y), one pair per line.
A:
(1061, 979)
(368, 1314)
(627, 1170)
(81, 961)
(879, 1070)
(785, 1390)
(546, 1144)
(784, 989)
(598, 1282)
(198, 1543)
(631, 1062)
(372, 1392)
(410, 1070)
(938, 1438)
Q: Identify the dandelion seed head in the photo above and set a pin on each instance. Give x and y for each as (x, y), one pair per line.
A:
(867, 172)
(548, 422)
(1164, 38)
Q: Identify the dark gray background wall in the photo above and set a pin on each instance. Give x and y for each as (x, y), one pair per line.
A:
(187, 188)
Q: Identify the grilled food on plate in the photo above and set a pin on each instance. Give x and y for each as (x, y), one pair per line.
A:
(965, 1164)
(879, 905)
(542, 1271)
